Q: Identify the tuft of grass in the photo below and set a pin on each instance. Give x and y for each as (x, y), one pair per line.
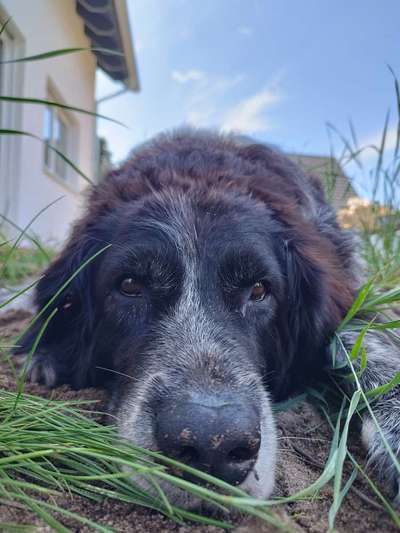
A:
(371, 301)
(22, 262)
(52, 448)
(17, 261)
(378, 168)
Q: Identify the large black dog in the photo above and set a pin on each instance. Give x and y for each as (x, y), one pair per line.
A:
(226, 277)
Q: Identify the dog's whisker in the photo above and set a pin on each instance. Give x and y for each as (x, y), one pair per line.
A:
(113, 371)
(314, 439)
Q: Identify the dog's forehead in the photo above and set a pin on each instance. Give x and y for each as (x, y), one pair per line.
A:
(192, 222)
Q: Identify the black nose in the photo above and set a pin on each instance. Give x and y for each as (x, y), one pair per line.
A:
(215, 434)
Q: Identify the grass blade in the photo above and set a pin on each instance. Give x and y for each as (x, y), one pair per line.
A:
(51, 147)
(340, 458)
(51, 103)
(23, 233)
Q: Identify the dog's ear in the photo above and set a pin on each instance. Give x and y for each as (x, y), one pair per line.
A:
(64, 352)
(317, 298)
(306, 295)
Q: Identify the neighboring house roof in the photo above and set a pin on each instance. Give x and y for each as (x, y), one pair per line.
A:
(107, 26)
(337, 185)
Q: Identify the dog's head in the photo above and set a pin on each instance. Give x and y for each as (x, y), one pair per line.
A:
(225, 277)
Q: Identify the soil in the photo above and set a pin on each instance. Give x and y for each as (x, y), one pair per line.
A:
(304, 440)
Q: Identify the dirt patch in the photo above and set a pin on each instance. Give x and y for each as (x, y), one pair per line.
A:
(304, 440)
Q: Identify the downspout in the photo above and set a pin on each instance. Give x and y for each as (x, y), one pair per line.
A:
(96, 162)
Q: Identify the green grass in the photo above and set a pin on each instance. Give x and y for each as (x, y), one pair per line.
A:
(23, 262)
(17, 259)
(381, 171)
(48, 448)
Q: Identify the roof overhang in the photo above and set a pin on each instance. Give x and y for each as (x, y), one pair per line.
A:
(107, 26)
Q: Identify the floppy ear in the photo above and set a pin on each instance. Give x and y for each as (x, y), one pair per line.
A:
(318, 296)
(64, 352)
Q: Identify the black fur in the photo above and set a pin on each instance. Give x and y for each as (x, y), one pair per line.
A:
(224, 214)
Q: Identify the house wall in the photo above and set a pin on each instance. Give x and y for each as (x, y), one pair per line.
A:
(48, 25)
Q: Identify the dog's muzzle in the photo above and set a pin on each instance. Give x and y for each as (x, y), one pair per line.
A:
(218, 433)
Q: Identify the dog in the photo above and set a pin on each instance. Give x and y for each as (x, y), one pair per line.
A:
(209, 275)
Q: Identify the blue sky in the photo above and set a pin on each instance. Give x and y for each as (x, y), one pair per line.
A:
(275, 69)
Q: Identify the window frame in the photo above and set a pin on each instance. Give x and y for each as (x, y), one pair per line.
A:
(53, 165)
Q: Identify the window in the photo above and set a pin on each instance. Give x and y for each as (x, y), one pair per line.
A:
(57, 133)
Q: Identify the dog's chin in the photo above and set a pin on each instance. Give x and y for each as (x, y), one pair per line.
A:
(256, 485)
(259, 483)
(260, 480)
(175, 495)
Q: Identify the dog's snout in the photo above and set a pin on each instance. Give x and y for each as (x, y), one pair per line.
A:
(211, 434)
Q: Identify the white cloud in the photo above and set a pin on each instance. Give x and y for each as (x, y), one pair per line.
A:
(206, 104)
(246, 31)
(248, 116)
(203, 107)
(184, 76)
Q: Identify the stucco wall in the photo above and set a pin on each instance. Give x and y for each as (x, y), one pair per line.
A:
(47, 25)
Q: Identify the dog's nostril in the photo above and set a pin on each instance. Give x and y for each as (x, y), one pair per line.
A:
(213, 434)
(241, 454)
(187, 455)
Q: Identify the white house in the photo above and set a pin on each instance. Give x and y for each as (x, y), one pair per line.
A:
(31, 175)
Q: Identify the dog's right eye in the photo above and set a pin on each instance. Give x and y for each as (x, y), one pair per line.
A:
(130, 287)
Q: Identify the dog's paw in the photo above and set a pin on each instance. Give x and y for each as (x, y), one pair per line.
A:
(37, 369)
(379, 457)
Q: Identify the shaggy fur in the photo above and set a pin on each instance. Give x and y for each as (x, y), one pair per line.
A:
(197, 219)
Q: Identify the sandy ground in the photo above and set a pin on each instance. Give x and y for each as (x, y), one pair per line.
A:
(304, 440)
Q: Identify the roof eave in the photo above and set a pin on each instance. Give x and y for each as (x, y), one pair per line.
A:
(106, 24)
(132, 82)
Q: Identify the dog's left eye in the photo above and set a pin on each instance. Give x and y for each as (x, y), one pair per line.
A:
(130, 287)
(258, 292)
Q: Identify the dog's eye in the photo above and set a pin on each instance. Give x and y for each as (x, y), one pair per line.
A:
(258, 292)
(130, 287)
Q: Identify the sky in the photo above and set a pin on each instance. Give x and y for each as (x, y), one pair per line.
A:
(278, 70)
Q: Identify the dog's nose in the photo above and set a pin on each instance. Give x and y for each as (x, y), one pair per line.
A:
(214, 434)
